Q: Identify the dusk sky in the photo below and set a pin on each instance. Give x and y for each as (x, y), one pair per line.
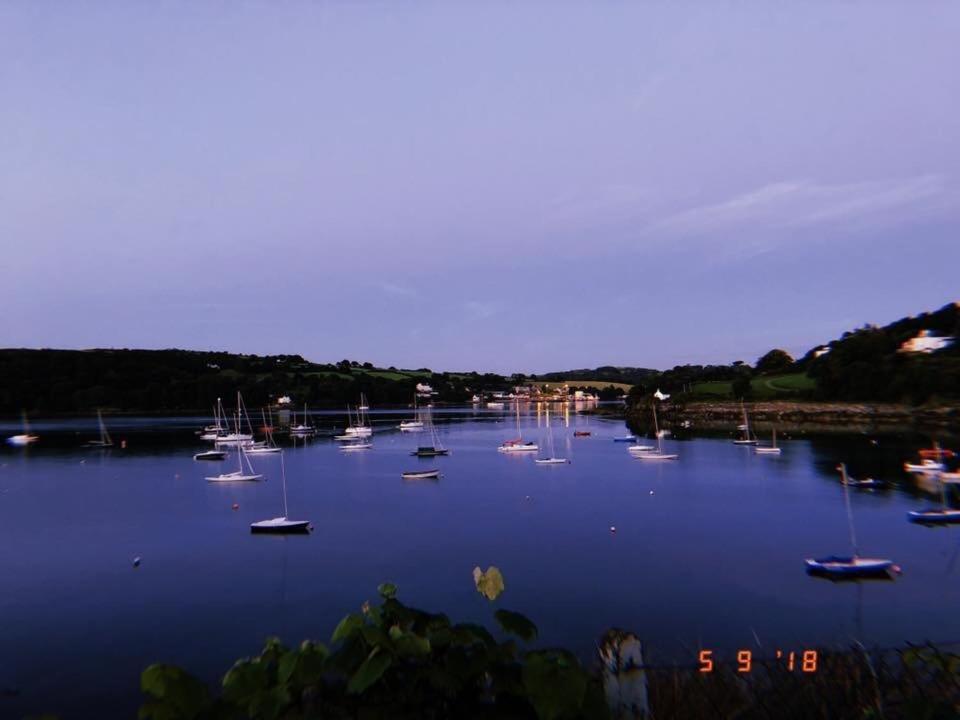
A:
(490, 186)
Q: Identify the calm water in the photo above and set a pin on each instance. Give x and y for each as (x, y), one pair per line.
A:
(708, 550)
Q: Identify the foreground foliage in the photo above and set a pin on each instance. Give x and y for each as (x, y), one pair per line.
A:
(389, 661)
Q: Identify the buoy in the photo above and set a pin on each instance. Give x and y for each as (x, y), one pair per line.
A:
(236, 506)
(613, 528)
(651, 492)
(136, 561)
(123, 444)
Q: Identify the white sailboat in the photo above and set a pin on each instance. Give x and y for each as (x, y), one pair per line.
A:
(772, 450)
(284, 524)
(267, 446)
(747, 438)
(24, 438)
(104, 441)
(239, 475)
(942, 515)
(362, 426)
(219, 427)
(551, 458)
(435, 448)
(303, 429)
(518, 445)
(658, 453)
(414, 425)
(853, 566)
(235, 438)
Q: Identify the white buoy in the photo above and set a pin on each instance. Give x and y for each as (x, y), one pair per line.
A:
(613, 528)
(136, 561)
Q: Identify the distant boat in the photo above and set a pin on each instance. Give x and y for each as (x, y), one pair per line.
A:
(267, 446)
(551, 458)
(421, 475)
(210, 455)
(104, 441)
(518, 445)
(357, 444)
(475, 399)
(864, 484)
(281, 525)
(219, 427)
(360, 428)
(926, 466)
(239, 475)
(836, 567)
(582, 433)
(414, 425)
(772, 450)
(942, 515)
(436, 448)
(495, 405)
(25, 438)
(303, 429)
(744, 427)
(658, 453)
(625, 438)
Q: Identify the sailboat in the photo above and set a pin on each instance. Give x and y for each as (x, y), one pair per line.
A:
(237, 438)
(415, 425)
(865, 483)
(772, 450)
(551, 458)
(238, 475)
(280, 525)
(303, 429)
(362, 427)
(942, 515)
(267, 446)
(25, 438)
(658, 453)
(926, 466)
(744, 427)
(834, 566)
(212, 432)
(436, 448)
(518, 445)
(104, 441)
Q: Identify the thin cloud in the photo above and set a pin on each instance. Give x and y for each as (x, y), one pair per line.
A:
(482, 309)
(802, 203)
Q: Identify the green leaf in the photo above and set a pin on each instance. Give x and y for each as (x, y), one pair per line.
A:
(409, 643)
(368, 673)
(177, 694)
(347, 627)
(387, 590)
(516, 624)
(555, 684)
(489, 583)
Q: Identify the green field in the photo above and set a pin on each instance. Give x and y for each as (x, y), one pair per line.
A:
(764, 387)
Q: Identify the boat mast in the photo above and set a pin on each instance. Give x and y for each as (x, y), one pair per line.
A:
(656, 427)
(846, 499)
(283, 481)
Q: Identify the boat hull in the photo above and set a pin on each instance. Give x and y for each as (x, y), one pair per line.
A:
(422, 475)
(766, 451)
(518, 448)
(846, 567)
(551, 461)
(281, 526)
(934, 517)
(212, 455)
(235, 477)
(429, 452)
(654, 456)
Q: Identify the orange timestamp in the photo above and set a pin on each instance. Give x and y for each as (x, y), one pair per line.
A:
(804, 660)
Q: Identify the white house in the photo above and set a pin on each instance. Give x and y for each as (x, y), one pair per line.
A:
(925, 342)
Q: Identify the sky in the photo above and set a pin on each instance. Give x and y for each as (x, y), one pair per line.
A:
(492, 186)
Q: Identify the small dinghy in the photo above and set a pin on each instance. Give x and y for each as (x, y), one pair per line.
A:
(281, 525)
(355, 446)
(515, 446)
(636, 449)
(925, 466)
(848, 567)
(625, 438)
(421, 475)
(211, 455)
(582, 433)
(551, 461)
(772, 450)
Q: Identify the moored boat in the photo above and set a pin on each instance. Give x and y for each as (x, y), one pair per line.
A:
(835, 566)
(924, 466)
(210, 455)
(421, 475)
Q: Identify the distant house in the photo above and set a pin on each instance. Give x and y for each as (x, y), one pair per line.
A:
(925, 342)
(821, 351)
(283, 400)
